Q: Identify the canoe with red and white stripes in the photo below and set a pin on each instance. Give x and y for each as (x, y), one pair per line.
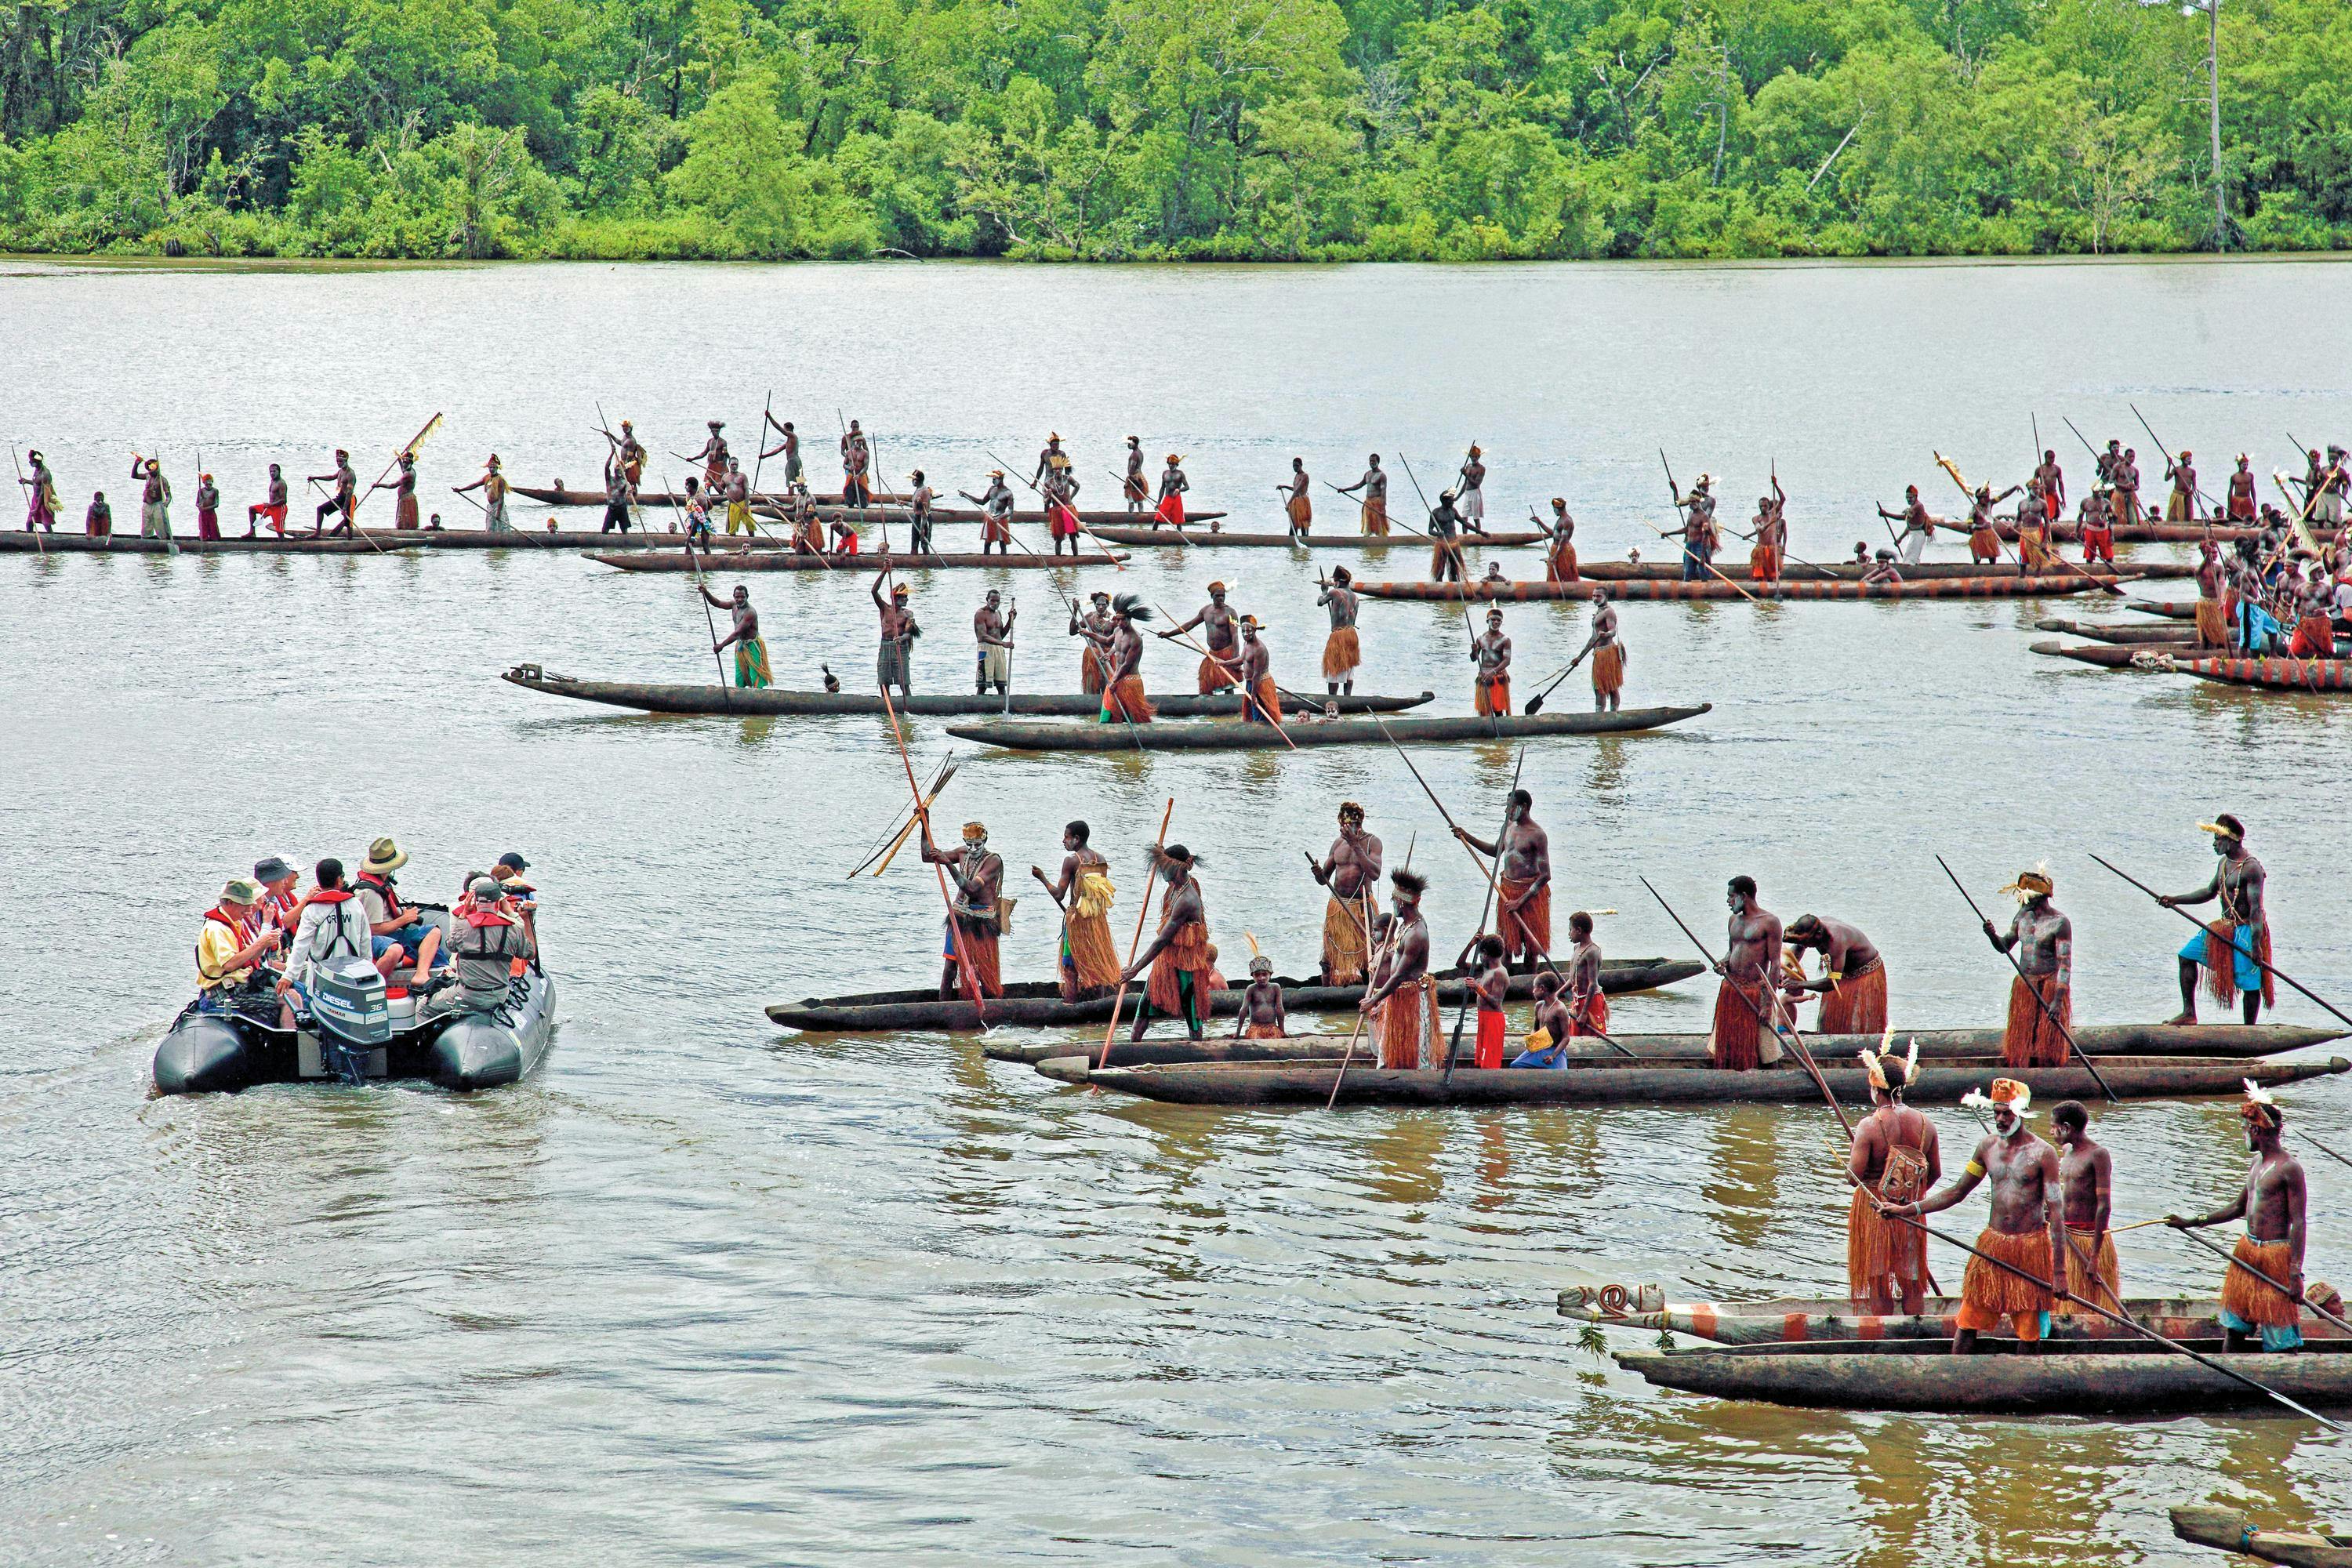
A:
(1986, 588)
(2277, 674)
(1795, 1320)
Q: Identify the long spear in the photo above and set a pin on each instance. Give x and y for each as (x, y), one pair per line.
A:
(1135, 943)
(700, 591)
(1371, 962)
(2161, 446)
(1493, 875)
(409, 451)
(2035, 990)
(22, 483)
(2192, 920)
(923, 815)
(1248, 698)
(2132, 1323)
(1453, 547)
(1787, 1032)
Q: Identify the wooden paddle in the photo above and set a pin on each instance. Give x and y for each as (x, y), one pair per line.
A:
(1371, 961)
(2035, 990)
(1134, 945)
(409, 451)
(1493, 875)
(1248, 698)
(39, 545)
(1535, 704)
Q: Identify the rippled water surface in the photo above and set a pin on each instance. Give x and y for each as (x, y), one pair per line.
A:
(706, 1292)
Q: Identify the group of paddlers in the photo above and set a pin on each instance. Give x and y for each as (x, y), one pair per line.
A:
(342, 493)
(2053, 1203)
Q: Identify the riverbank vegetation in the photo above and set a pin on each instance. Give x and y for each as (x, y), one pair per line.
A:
(1171, 129)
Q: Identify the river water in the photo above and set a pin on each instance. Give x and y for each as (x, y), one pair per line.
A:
(704, 1291)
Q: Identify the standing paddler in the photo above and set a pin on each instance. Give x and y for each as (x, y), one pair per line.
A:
(2240, 505)
(1771, 534)
(342, 500)
(2275, 1203)
(1490, 652)
(893, 666)
(2027, 1229)
(1060, 495)
(857, 462)
(2042, 998)
(1608, 654)
(273, 511)
(1471, 493)
(2180, 505)
(1918, 527)
(918, 513)
(751, 648)
(2086, 1179)
(1750, 967)
(1373, 516)
(735, 489)
(1853, 986)
(976, 915)
(713, 456)
(1220, 630)
(1298, 505)
(1402, 997)
(2233, 949)
(1893, 1159)
(1444, 546)
(995, 513)
(1123, 699)
(40, 496)
(2212, 617)
(154, 497)
(991, 629)
(1260, 698)
(1172, 486)
(1351, 867)
(2098, 530)
(493, 486)
(1698, 531)
(1088, 965)
(207, 508)
(403, 486)
(788, 446)
(1559, 553)
(1093, 629)
(631, 454)
(1134, 488)
(1523, 885)
(1343, 650)
(1179, 954)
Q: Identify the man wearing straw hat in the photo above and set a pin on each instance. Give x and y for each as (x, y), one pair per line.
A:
(392, 923)
(2027, 1229)
(2041, 997)
(2275, 1203)
(2233, 949)
(228, 946)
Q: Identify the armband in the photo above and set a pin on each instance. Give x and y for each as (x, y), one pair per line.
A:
(1973, 1169)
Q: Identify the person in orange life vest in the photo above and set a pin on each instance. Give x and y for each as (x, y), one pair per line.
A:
(394, 924)
(491, 944)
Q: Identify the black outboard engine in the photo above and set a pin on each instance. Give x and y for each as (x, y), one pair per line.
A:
(354, 1015)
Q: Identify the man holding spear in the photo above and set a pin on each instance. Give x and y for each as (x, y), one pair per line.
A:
(2262, 1295)
(2027, 1229)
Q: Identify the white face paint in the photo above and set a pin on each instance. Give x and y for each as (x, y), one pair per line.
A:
(2004, 1121)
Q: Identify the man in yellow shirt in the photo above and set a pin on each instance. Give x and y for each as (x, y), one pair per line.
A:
(227, 947)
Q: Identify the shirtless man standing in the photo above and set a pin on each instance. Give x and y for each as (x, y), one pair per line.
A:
(1918, 525)
(1178, 955)
(855, 461)
(1404, 999)
(713, 456)
(1559, 554)
(1894, 1160)
(1220, 630)
(992, 630)
(995, 513)
(2052, 480)
(1352, 866)
(342, 500)
(1093, 629)
(789, 447)
(1471, 493)
(1299, 506)
(2043, 942)
(2275, 1203)
(1123, 699)
(1343, 650)
(1133, 486)
(1491, 652)
(2235, 950)
(1523, 886)
(2086, 1175)
(1608, 653)
(918, 513)
(1749, 966)
(1374, 485)
(894, 664)
(2027, 1231)
(1260, 698)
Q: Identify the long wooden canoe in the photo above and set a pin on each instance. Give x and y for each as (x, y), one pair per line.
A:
(1190, 538)
(2226, 1530)
(1980, 587)
(2067, 528)
(1241, 737)
(2110, 655)
(133, 545)
(2170, 609)
(1825, 1321)
(787, 561)
(722, 700)
(828, 505)
(2276, 674)
(1622, 1082)
(1039, 1003)
(1670, 571)
(2168, 634)
(2245, 1041)
(2097, 1377)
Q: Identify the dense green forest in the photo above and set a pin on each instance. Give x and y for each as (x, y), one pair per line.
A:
(1142, 129)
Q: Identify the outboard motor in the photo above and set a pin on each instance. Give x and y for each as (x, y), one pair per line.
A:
(354, 1017)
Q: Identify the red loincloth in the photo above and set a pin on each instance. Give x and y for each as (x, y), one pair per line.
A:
(1123, 699)
(1171, 511)
(1591, 1019)
(1737, 1028)
(1491, 696)
(1764, 564)
(1529, 929)
(1490, 1039)
(981, 950)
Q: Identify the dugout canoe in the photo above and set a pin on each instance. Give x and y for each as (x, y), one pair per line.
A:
(2170, 609)
(131, 544)
(1826, 1321)
(2108, 655)
(2245, 1041)
(2094, 1377)
(2226, 1530)
(788, 561)
(2307, 675)
(828, 505)
(1039, 1002)
(2122, 634)
(1670, 571)
(736, 701)
(1186, 538)
(1620, 1082)
(1977, 587)
(2070, 531)
(1304, 732)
